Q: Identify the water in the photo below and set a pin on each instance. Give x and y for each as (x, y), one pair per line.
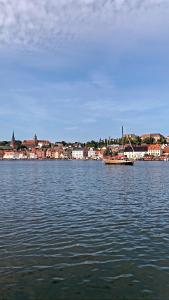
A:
(83, 230)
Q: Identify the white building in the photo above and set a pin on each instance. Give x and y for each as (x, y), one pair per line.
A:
(10, 155)
(22, 156)
(78, 153)
(32, 155)
(155, 150)
(14, 155)
(91, 153)
(138, 152)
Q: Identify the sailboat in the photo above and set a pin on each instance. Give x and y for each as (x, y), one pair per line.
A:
(119, 159)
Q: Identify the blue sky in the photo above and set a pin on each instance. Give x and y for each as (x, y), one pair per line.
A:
(79, 69)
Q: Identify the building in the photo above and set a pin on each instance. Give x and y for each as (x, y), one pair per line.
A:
(155, 150)
(31, 143)
(10, 154)
(166, 151)
(22, 154)
(32, 155)
(130, 136)
(100, 153)
(35, 142)
(68, 153)
(42, 143)
(54, 153)
(50, 153)
(136, 152)
(41, 153)
(91, 153)
(78, 153)
(156, 136)
(115, 148)
(1, 154)
(13, 141)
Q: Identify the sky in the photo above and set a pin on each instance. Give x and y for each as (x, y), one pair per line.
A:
(78, 70)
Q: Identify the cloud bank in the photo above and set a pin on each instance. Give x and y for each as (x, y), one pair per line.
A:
(36, 23)
(81, 68)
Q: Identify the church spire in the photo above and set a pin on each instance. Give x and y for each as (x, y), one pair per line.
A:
(35, 139)
(13, 137)
(13, 141)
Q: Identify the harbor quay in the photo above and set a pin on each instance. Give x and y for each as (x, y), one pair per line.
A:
(148, 147)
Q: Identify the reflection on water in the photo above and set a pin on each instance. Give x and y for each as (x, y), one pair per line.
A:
(83, 230)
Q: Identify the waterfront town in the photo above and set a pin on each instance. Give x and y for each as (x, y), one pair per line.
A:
(145, 147)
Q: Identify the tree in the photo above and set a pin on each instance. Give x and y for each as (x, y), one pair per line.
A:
(149, 140)
(136, 140)
(162, 140)
(18, 145)
(21, 147)
(92, 144)
(64, 143)
(108, 151)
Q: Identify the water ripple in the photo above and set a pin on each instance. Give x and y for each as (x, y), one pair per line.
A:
(83, 230)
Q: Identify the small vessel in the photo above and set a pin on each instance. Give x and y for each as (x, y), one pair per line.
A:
(119, 159)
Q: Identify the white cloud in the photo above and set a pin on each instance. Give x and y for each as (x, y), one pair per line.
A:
(50, 23)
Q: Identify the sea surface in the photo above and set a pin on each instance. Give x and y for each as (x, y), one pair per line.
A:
(83, 230)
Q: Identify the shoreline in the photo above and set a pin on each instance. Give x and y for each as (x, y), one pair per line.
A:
(100, 160)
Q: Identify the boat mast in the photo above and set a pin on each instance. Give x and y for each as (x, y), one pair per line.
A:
(122, 139)
(131, 146)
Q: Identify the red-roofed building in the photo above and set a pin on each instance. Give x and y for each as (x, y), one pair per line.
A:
(166, 150)
(155, 150)
(31, 143)
(35, 142)
(41, 154)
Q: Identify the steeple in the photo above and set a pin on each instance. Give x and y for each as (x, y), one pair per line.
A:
(13, 141)
(35, 139)
(13, 137)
